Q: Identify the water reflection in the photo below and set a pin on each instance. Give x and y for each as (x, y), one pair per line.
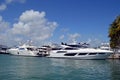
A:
(89, 69)
(78, 63)
(37, 68)
(115, 69)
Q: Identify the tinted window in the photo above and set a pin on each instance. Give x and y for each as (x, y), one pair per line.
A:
(31, 49)
(82, 53)
(101, 53)
(4, 48)
(56, 48)
(21, 49)
(74, 45)
(70, 48)
(92, 53)
(70, 54)
(61, 51)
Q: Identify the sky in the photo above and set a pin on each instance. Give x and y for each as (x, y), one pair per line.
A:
(55, 21)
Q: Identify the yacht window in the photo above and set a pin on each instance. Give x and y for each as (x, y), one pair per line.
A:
(70, 48)
(30, 49)
(82, 53)
(92, 53)
(61, 51)
(21, 49)
(16, 47)
(3, 48)
(101, 53)
(70, 54)
(56, 48)
(75, 46)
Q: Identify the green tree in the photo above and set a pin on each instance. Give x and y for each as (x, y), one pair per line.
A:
(114, 33)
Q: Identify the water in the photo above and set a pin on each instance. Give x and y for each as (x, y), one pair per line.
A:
(37, 68)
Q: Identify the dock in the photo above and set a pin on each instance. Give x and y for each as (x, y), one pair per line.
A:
(115, 56)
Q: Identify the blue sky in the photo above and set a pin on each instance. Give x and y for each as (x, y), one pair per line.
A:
(81, 20)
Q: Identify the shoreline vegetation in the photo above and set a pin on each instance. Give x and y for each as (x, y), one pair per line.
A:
(114, 35)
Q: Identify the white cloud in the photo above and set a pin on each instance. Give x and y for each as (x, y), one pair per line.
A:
(73, 37)
(3, 7)
(32, 25)
(10, 1)
(30, 16)
(94, 42)
(3, 25)
(65, 30)
(62, 36)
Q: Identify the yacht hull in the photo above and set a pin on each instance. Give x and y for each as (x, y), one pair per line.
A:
(82, 57)
(81, 54)
(23, 53)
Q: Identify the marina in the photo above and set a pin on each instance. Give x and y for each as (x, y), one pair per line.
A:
(70, 51)
(60, 40)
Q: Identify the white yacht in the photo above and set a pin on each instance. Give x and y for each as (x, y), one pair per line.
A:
(24, 50)
(80, 53)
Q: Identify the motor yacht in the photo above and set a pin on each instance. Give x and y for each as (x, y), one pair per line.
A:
(25, 50)
(79, 53)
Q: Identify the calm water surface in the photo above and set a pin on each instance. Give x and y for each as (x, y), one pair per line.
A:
(37, 68)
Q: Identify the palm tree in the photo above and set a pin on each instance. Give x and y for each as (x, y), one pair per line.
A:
(114, 34)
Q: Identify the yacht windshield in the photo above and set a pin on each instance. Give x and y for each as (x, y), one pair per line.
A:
(70, 48)
(21, 48)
